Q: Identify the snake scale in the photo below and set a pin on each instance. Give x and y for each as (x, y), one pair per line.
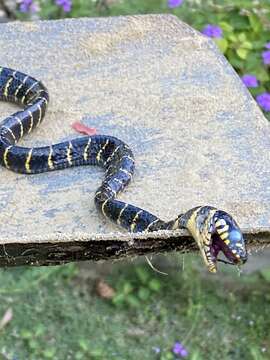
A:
(214, 230)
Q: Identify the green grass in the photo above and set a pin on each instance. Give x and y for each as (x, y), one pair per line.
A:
(57, 314)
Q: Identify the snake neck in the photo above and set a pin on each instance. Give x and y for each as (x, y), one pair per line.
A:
(181, 221)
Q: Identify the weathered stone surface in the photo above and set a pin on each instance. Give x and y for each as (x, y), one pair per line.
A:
(197, 135)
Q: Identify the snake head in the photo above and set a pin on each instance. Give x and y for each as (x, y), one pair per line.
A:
(228, 238)
(214, 231)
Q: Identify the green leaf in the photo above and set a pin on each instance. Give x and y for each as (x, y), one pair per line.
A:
(127, 288)
(167, 356)
(142, 274)
(236, 63)
(154, 285)
(253, 62)
(79, 355)
(83, 344)
(247, 45)
(232, 38)
(222, 44)
(242, 53)
(238, 21)
(258, 44)
(118, 299)
(133, 301)
(256, 353)
(144, 293)
(25, 334)
(234, 60)
(33, 344)
(255, 23)
(242, 37)
(40, 330)
(262, 74)
(196, 356)
(49, 353)
(225, 26)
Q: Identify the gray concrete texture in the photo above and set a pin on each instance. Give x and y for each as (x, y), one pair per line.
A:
(163, 88)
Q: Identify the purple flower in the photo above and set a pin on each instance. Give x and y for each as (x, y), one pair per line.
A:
(250, 80)
(65, 4)
(266, 57)
(28, 6)
(264, 101)
(213, 31)
(174, 3)
(179, 350)
(267, 45)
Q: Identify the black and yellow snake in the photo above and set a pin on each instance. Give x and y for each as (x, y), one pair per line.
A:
(214, 230)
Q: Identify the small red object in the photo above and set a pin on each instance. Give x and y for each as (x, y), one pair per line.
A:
(83, 129)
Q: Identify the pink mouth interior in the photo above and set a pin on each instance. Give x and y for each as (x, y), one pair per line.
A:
(219, 245)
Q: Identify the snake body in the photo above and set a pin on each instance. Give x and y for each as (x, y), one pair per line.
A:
(213, 229)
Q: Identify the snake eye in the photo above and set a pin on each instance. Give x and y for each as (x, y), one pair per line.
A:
(235, 235)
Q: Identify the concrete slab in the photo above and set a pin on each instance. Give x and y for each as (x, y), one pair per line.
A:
(197, 134)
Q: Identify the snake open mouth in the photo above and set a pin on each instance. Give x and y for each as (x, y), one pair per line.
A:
(216, 231)
(219, 245)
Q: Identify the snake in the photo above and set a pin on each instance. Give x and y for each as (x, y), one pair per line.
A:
(213, 230)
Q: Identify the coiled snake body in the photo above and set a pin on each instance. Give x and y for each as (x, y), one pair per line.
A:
(214, 230)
